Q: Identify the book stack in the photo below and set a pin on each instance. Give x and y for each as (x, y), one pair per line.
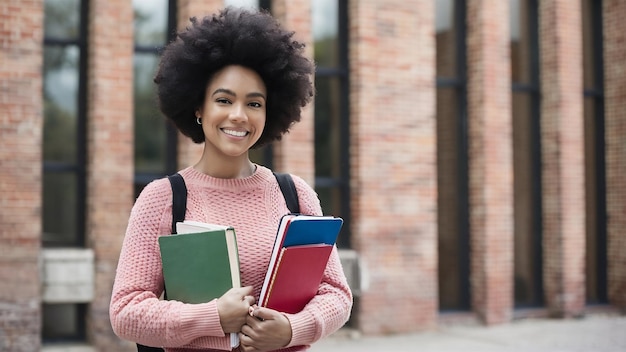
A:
(201, 262)
(301, 251)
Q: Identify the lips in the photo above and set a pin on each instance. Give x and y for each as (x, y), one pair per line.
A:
(235, 133)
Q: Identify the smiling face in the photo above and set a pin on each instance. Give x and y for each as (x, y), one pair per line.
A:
(233, 114)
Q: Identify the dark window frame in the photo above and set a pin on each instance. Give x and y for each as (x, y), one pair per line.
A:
(597, 94)
(265, 5)
(81, 321)
(459, 83)
(267, 151)
(342, 73)
(141, 179)
(79, 167)
(534, 92)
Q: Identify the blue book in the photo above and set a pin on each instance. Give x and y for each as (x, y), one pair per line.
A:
(305, 229)
(307, 233)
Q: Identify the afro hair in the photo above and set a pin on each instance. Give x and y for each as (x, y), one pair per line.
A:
(234, 37)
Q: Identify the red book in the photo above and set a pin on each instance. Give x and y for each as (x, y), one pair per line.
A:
(297, 276)
(301, 250)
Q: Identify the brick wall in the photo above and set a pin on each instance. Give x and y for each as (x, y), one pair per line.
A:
(562, 143)
(110, 161)
(21, 121)
(615, 120)
(196, 8)
(393, 185)
(295, 152)
(393, 166)
(490, 160)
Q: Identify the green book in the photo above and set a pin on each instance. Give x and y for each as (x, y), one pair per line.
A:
(200, 263)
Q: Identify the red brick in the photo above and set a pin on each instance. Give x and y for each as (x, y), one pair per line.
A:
(490, 160)
(110, 162)
(393, 163)
(615, 127)
(562, 142)
(20, 174)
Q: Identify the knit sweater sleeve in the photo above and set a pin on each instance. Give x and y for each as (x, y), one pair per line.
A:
(330, 309)
(136, 312)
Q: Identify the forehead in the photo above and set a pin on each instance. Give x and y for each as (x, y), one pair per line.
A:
(237, 78)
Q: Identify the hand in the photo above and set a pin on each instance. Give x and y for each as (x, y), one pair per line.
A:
(266, 330)
(233, 308)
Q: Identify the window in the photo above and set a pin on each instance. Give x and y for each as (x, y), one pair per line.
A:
(330, 28)
(63, 322)
(64, 144)
(452, 158)
(527, 208)
(155, 138)
(64, 148)
(595, 179)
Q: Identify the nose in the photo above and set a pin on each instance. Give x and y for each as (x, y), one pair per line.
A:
(238, 113)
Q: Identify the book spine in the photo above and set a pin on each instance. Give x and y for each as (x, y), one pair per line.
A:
(272, 279)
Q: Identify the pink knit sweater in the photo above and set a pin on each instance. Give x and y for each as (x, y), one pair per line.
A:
(253, 206)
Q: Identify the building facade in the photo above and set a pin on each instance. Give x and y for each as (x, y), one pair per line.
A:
(475, 149)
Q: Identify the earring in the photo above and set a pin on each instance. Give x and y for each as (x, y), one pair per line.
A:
(198, 121)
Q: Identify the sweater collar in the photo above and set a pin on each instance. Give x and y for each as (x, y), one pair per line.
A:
(259, 177)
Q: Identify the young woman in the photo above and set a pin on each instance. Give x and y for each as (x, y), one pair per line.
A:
(233, 81)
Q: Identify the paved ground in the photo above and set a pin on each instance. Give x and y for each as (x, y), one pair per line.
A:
(598, 333)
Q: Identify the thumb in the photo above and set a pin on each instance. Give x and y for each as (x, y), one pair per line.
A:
(265, 313)
(244, 291)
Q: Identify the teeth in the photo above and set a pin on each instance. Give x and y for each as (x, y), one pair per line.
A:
(236, 133)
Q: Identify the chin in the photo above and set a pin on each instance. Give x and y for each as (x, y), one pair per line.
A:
(235, 153)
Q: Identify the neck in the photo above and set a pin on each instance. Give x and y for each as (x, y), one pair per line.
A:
(225, 166)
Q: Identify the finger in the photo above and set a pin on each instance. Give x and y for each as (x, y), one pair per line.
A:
(248, 349)
(245, 340)
(264, 313)
(242, 344)
(240, 291)
(249, 299)
(244, 291)
(248, 332)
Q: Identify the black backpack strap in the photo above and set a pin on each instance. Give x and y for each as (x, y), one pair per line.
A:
(179, 199)
(142, 348)
(179, 207)
(289, 191)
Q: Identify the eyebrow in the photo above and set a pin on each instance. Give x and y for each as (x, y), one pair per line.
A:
(230, 92)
